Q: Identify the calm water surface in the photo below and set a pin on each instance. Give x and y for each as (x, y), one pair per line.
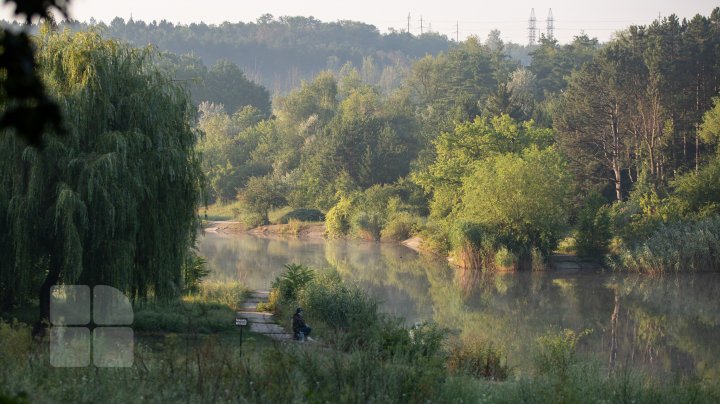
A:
(668, 326)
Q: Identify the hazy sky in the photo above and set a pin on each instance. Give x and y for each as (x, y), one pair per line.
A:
(596, 18)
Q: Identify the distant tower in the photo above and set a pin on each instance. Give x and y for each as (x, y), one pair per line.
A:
(550, 25)
(531, 28)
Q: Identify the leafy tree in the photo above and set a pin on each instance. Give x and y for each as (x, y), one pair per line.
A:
(262, 194)
(524, 197)
(228, 147)
(226, 84)
(593, 119)
(697, 194)
(710, 130)
(457, 151)
(112, 202)
(593, 228)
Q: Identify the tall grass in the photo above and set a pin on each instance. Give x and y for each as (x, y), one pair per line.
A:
(676, 247)
(210, 308)
(212, 370)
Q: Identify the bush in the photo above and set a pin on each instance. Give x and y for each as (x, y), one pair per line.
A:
(593, 232)
(676, 247)
(401, 226)
(556, 352)
(289, 283)
(194, 270)
(226, 293)
(337, 221)
(303, 215)
(697, 194)
(478, 358)
(505, 260)
(16, 341)
(346, 311)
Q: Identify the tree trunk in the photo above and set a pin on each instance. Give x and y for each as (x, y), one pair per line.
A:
(618, 183)
(51, 280)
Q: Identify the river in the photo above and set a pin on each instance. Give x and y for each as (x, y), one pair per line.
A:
(666, 326)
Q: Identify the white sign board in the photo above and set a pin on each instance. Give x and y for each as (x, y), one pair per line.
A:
(240, 321)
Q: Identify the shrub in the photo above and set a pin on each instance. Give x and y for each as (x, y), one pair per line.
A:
(478, 358)
(401, 226)
(556, 352)
(677, 247)
(16, 341)
(505, 260)
(227, 293)
(697, 194)
(194, 270)
(290, 282)
(303, 215)
(593, 229)
(337, 221)
(347, 311)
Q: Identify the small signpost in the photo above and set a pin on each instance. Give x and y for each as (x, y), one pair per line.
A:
(240, 322)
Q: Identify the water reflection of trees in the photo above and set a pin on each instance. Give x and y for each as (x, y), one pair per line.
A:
(660, 324)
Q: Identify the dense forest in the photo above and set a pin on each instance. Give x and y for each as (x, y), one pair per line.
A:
(280, 53)
(484, 156)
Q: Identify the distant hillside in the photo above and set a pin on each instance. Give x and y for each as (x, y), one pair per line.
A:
(279, 53)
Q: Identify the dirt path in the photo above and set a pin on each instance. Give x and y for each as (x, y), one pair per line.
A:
(262, 322)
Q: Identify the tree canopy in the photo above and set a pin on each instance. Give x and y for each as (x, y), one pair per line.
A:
(112, 202)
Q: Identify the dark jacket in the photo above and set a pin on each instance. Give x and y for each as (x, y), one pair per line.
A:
(298, 323)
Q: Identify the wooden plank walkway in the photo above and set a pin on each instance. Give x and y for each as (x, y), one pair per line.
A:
(262, 322)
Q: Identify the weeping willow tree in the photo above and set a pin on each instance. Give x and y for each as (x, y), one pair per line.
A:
(113, 200)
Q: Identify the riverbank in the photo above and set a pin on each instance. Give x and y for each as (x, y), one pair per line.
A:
(316, 231)
(303, 230)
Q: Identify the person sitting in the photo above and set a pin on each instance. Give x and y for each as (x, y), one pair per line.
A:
(300, 329)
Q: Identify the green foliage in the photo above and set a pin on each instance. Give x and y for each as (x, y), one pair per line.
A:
(556, 353)
(209, 308)
(113, 201)
(226, 84)
(210, 366)
(194, 270)
(676, 247)
(290, 282)
(337, 221)
(400, 226)
(303, 215)
(697, 194)
(457, 151)
(710, 130)
(377, 213)
(593, 228)
(524, 198)
(478, 358)
(504, 259)
(181, 317)
(262, 194)
(346, 311)
(227, 148)
(226, 293)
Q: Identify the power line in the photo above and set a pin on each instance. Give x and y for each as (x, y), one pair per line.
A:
(531, 27)
(550, 24)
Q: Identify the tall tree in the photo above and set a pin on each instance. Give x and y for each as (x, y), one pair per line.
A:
(112, 202)
(592, 119)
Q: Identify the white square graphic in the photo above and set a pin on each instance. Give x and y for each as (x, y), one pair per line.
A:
(111, 307)
(70, 347)
(113, 347)
(70, 305)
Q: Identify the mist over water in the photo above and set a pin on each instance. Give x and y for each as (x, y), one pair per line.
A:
(668, 326)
